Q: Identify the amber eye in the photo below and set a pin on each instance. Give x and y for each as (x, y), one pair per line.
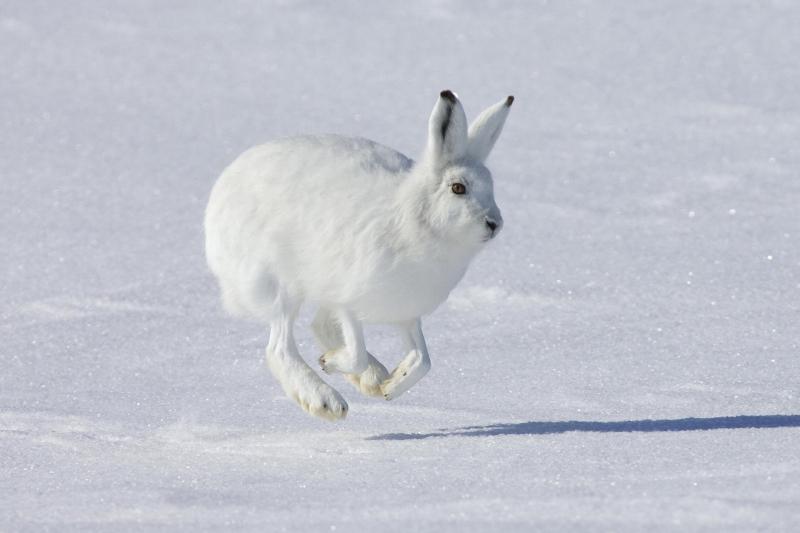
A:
(458, 188)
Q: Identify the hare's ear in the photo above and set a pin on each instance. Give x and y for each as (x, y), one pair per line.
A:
(447, 130)
(484, 130)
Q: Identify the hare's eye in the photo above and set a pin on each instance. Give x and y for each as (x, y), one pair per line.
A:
(458, 188)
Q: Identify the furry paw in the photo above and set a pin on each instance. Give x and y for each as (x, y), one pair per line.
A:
(326, 362)
(410, 370)
(369, 381)
(321, 401)
(340, 360)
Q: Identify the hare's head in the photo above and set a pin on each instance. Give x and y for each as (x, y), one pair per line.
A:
(459, 187)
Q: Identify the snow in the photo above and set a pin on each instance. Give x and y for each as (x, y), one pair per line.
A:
(624, 356)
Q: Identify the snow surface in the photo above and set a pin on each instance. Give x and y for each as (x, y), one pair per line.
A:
(624, 357)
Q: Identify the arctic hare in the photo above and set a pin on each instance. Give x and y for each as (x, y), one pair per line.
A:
(362, 231)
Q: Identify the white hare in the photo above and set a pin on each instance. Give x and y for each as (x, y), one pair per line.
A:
(362, 231)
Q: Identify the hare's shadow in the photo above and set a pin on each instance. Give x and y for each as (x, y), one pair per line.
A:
(623, 426)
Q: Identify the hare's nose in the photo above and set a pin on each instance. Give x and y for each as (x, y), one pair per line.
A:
(492, 224)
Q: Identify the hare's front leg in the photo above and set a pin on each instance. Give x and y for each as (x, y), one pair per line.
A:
(351, 356)
(328, 330)
(413, 366)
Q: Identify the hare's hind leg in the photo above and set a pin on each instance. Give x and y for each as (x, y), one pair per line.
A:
(299, 382)
(341, 338)
(413, 366)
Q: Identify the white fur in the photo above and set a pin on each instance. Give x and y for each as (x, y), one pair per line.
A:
(362, 231)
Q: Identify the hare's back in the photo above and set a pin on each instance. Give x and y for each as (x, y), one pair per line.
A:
(298, 179)
(293, 206)
(324, 161)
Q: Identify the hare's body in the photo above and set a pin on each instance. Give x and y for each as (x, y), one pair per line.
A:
(329, 227)
(360, 230)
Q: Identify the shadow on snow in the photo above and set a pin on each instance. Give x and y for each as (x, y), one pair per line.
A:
(622, 426)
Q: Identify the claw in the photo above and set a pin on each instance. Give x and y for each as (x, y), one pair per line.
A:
(322, 364)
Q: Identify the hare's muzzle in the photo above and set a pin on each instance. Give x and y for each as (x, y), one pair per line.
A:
(493, 227)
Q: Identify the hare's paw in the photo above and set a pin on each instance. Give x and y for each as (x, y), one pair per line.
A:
(327, 362)
(410, 370)
(321, 401)
(341, 360)
(369, 381)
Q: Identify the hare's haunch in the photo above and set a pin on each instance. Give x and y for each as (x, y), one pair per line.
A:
(362, 231)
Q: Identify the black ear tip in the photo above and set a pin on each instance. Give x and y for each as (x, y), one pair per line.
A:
(448, 95)
(509, 101)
